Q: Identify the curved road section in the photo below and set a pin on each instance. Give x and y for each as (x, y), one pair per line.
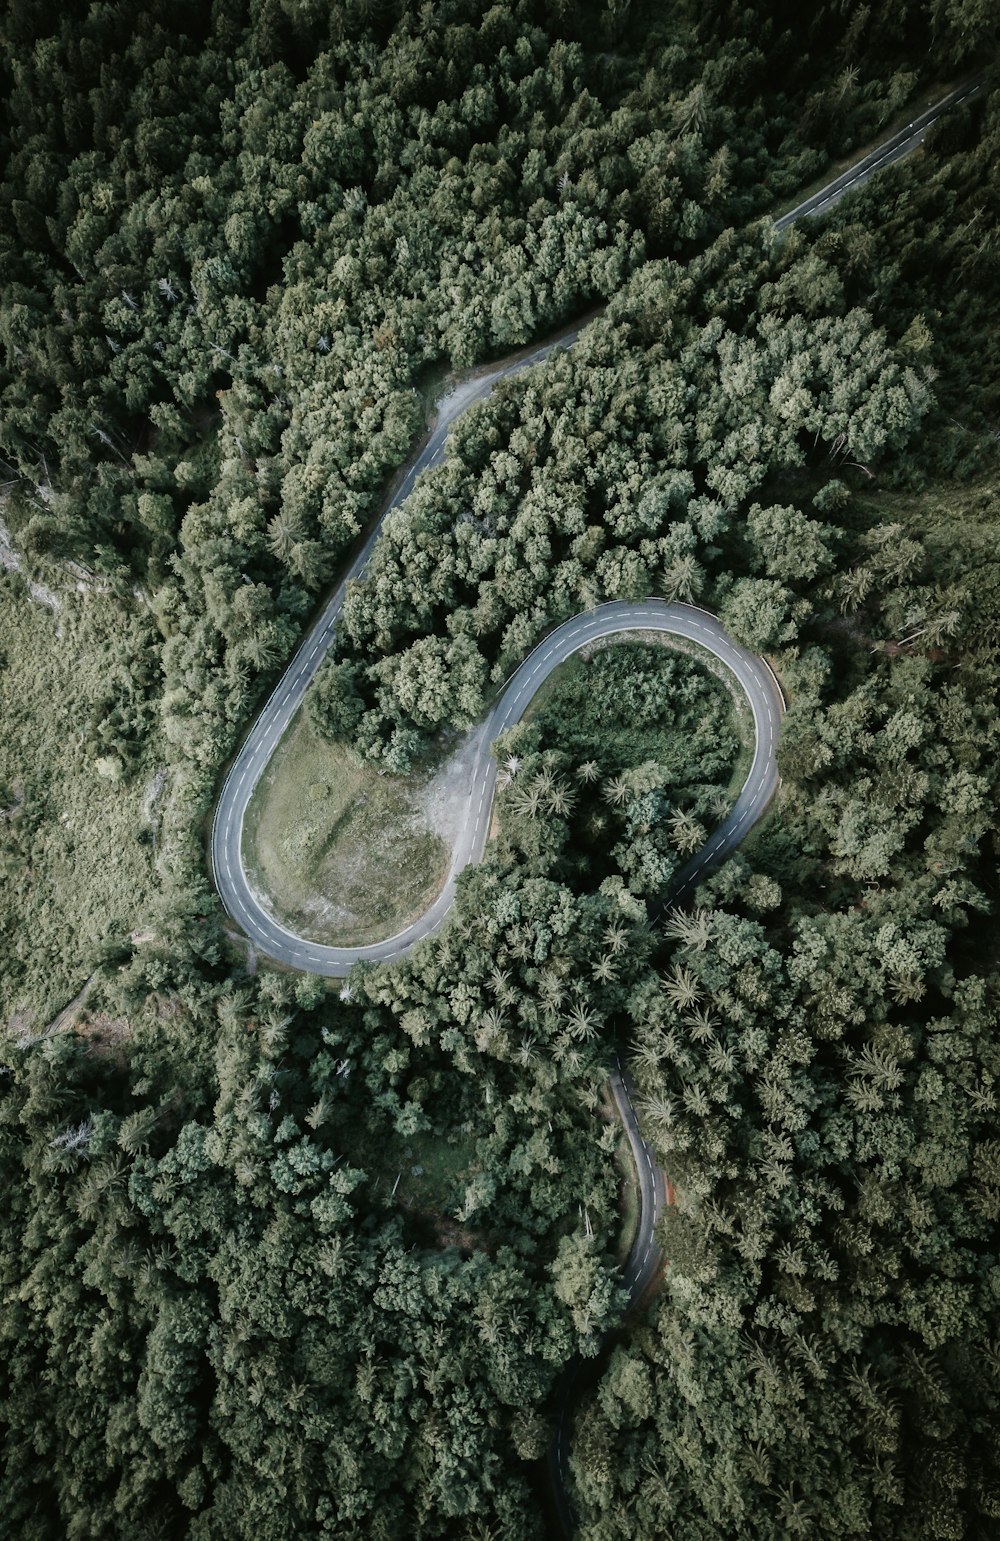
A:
(621, 619)
(246, 907)
(250, 909)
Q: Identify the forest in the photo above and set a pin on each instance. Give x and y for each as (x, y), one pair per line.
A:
(291, 1257)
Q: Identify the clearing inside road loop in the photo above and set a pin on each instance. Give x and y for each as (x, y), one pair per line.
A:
(344, 855)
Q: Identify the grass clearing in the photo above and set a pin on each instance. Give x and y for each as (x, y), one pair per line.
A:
(935, 513)
(77, 825)
(345, 855)
(432, 1169)
(957, 523)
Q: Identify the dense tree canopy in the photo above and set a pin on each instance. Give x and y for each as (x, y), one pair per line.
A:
(281, 1258)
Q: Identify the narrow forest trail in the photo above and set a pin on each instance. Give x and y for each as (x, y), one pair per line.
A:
(266, 933)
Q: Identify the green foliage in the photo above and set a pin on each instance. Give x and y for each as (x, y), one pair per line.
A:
(819, 1067)
(79, 785)
(335, 706)
(544, 508)
(209, 1243)
(237, 244)
(619, 770)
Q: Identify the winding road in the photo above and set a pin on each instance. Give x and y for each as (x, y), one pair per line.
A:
(251, 910)
(248, 908)
(622, 619)
(617, 619)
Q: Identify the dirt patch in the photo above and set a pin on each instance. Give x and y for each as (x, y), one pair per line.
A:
(20, 1024)
(442, 799)
(16, 803)
(103, 1031)
(152, 795)
(244, 948)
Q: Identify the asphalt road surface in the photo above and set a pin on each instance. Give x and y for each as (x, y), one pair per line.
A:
(252, 911)
(642, 1266)
(615, 619)
(900, 144)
